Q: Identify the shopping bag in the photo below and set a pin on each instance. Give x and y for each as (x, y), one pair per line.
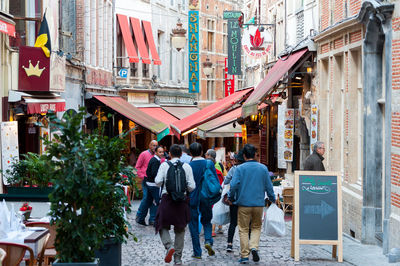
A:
(274, 221)
(220, 213)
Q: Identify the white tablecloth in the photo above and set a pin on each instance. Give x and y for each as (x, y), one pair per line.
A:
(16, 236)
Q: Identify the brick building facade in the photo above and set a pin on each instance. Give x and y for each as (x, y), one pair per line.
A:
(359, 113)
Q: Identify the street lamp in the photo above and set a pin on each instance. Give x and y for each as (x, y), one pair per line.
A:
(207, 67)
(178, 36)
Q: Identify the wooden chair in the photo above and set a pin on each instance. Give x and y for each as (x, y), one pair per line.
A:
(15, 253)
(49, 252)
(288, 199)
(2, 255)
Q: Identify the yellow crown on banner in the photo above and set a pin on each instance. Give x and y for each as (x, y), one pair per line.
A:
(33, 71)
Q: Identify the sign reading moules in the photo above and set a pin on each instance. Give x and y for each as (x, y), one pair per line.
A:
(257, 42)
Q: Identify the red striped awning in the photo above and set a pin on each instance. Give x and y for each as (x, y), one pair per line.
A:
(209, 112)
(160, 114)
(265, 87)
(150, 41)
(127, 36)
(137, 31)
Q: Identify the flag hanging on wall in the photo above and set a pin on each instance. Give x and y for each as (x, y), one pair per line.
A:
(43, 39)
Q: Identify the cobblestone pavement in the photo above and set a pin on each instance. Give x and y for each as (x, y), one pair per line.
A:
(273, 251)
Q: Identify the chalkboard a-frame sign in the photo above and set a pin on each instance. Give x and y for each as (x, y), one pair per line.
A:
(318, 211)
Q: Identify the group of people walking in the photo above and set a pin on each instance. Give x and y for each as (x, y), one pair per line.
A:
(182, 190)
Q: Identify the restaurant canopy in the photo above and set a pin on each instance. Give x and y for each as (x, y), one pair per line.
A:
(221, 126)
(266, 86)
(190, 122)
(133, 113)
(160, 114)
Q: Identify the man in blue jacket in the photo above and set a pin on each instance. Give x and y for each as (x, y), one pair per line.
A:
(248, 186)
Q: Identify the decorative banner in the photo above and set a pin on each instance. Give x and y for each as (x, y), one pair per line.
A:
(229, 81)
(34, 69)
(194, 75)
(256, 43)
(234, 48)
(314, 126)
(280, 136)
(9, 146)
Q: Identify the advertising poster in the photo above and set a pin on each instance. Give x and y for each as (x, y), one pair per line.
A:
(288, 135)
(9, 146)
(314, 126)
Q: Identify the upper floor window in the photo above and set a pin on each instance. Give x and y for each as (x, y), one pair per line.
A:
(210, 34)
(27, 16)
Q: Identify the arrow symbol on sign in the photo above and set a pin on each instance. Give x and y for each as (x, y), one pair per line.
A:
(324, 209)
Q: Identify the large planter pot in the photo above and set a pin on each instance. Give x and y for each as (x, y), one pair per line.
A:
(110, 253)
(93, 263)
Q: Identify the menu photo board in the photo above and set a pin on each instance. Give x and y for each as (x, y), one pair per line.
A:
(313, 126)
(317, 211)
(9, 146)
(288, 135)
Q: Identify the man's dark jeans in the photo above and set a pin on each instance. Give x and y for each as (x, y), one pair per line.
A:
(194, 230)
(206, 216)
(233, 213)
(149, 194)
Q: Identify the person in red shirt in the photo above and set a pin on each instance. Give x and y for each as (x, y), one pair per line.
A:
(141, 166)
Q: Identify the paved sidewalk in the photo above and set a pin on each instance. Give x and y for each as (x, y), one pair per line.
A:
(273, 251)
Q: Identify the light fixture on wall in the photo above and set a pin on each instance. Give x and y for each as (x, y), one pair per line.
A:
(178, 36)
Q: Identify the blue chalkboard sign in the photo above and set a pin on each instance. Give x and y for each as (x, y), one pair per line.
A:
(318, 209)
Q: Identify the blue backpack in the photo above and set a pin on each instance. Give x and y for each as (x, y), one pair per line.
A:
(210, 188)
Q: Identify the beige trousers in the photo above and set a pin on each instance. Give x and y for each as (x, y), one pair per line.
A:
(245, 216)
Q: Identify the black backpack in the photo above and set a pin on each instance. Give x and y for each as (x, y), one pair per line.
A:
(176, 181)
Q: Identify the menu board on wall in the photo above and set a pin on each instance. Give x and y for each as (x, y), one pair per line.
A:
(288, 135)
(9, 146)
(314, 126)
(280, 136)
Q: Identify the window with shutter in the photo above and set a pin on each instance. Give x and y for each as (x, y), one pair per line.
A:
(68, 26)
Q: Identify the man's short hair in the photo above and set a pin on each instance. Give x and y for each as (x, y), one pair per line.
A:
(175, 151)
(249, 151)
(212, 153)
(184, 149)
(195, 149)
(317, 145)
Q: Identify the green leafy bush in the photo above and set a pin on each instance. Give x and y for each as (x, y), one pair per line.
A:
(87, 204)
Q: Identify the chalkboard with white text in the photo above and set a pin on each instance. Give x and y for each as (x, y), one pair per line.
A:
(318, 207)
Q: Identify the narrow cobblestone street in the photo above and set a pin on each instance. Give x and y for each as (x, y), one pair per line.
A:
(273, 251)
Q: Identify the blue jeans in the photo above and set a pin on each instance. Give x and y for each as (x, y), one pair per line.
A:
(194, 230)
(206, 216)
(147, 202)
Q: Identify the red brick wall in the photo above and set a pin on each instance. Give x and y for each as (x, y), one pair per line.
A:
(325, 14)
(396, 24)
(338, 11)
(395, 169)
(80, 33)
(355, 36)
(354, 7)
(325, 48)
(396, 64)
(396, 199)
(338, 43)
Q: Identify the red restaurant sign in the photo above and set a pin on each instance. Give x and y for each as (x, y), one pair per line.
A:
(34, 69)
(38, 108)
(7, 28)
(229, 81)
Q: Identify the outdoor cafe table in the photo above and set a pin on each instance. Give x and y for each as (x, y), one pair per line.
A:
(32, 238)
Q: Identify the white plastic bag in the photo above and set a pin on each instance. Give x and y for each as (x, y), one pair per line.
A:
(220, 213)
(274, 221)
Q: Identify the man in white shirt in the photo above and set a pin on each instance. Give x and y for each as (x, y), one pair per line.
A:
(170, 212)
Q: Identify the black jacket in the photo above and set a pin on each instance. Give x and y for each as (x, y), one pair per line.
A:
(314, 163)
(152, 169)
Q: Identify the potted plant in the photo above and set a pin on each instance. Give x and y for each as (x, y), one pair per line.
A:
(30, 176)
(26, 210)
(87, 205)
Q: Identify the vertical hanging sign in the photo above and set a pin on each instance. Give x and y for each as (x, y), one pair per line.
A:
(229, 81)
(234, 42)
(194, 75)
